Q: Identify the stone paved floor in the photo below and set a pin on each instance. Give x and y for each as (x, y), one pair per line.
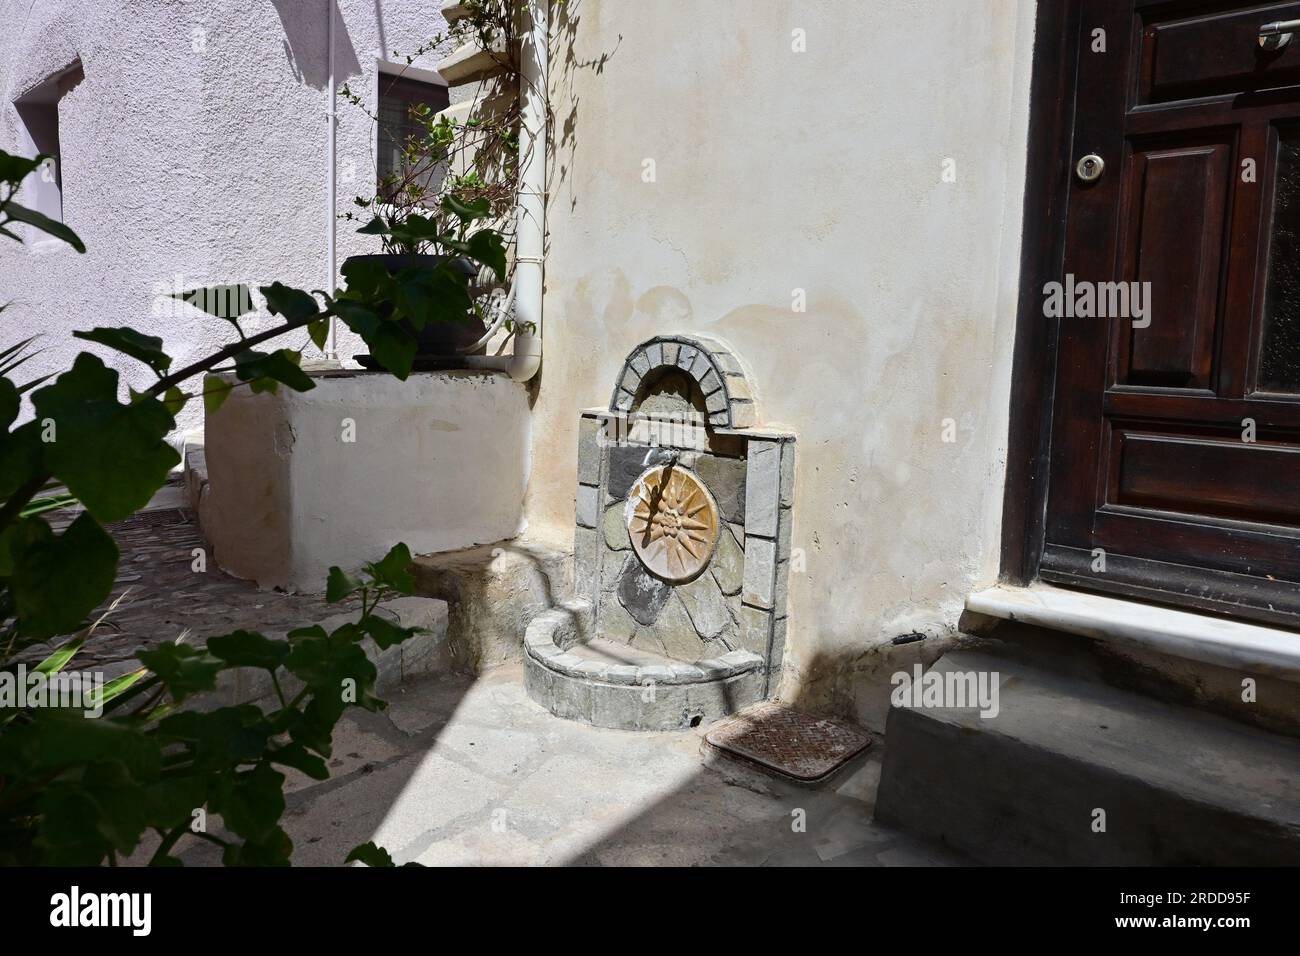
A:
(166, 597)
(461, 771)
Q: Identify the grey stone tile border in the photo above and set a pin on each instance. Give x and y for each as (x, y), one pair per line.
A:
(540, 644)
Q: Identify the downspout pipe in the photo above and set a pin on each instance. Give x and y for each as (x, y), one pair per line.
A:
(530, 227)
(331, 188)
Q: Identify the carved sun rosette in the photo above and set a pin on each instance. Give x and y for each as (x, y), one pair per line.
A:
(673, 523)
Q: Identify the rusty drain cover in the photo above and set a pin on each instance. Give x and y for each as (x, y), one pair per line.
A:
(788, 742)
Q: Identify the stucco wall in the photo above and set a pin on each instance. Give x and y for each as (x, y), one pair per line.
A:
(194, 152)
(820, 171)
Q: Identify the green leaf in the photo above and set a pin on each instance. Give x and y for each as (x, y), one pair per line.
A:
(364, 276)
(375, 227)
(21, 454)
(251, 803)
(261, 368)
(370, 855)
(293, 304)
(273, 850)
(393, 347)
(248, 649)
(44, 223)
(10, 402)
(467, 212)
(227, 302)
(113, 457)
(174, 400)
(59, 659)
(360, 319)
(220, 739)
(184, 670)
(145, 348)
(215, 392)
(332, 667)
(57, 581)
(319, 332)
(297, 756)
(14, 169)
(485, 246)
(385, 633)
(393, 569)
(339, 584)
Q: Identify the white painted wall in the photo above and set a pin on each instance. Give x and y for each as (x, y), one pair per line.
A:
(194, 152)
(300, 481)
(820, 170)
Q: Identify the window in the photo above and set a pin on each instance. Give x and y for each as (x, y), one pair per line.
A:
(398, 96)
(38, 114)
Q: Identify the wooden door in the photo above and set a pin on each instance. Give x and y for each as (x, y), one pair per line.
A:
(1174, 470)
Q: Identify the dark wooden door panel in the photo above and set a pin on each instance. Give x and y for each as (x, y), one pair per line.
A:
(1193, 52)
(1175, 445)
(1225, 477)
(1178, 195)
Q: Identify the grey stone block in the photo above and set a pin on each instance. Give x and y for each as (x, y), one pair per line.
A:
(627, 463)
(588, 506)
(705, 604)
(787, 474)
(777, 654)
(728, 564)
(640, 362)
(743, 414)
(588, 451)
(725, 479)
(738, 388)
(716, 403)
(642, 593)
(676, 632)
(784, 533)
(755, 629)
(760, 572)
(686, 357)
(710, 382)
(614, 528)
(655, 355)
(763, 488)
(781, 590)
(586, 555)
(670, 353)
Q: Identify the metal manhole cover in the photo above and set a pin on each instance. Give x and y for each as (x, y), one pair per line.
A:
(789, 742)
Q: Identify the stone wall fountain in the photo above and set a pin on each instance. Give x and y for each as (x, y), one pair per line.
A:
(682, 546)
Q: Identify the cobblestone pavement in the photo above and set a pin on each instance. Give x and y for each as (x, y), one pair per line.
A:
(165, 596)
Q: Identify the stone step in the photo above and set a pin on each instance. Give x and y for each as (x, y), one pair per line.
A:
(1029, 785)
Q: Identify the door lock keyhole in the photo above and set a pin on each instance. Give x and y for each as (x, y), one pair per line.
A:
(1090, 167)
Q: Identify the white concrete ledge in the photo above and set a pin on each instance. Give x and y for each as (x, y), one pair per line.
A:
(1198, 637)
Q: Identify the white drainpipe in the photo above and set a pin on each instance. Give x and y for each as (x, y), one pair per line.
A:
(331, 219)
(530, 228)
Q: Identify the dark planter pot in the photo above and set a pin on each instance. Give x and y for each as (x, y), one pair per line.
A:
(439, 343)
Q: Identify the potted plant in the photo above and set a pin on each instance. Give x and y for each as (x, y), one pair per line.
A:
(422, 285)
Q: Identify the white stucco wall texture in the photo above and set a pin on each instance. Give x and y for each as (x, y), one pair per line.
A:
(194, 152)
(716, 160)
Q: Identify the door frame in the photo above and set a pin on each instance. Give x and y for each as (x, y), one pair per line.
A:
(1057, 34)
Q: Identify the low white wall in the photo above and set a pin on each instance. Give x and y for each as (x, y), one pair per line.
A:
(299, 481)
